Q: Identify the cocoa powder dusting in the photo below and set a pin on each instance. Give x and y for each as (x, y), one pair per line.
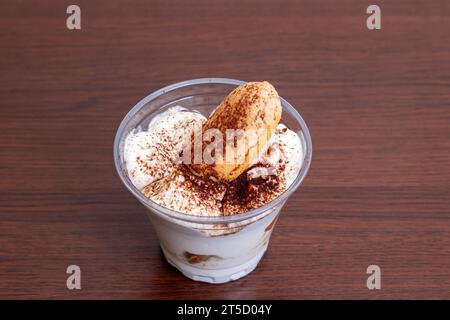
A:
(242, 194)
(245, 194)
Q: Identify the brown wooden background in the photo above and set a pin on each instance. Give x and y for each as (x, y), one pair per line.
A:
(377, 104)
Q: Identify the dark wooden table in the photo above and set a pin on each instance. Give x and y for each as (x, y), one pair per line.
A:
(377, 104)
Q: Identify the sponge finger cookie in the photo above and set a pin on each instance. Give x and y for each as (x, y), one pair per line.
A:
(246, 119)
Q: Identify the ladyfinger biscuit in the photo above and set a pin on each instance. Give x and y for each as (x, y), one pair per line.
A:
(246, 119)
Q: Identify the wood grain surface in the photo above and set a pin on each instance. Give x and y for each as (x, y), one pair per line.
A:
(377, 104)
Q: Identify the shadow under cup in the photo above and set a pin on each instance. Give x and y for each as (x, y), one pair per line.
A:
(209, 249)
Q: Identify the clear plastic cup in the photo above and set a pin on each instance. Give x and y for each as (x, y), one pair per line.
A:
(208, 249)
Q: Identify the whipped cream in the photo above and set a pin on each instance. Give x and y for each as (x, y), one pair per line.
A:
(149, 156)
(282, 155)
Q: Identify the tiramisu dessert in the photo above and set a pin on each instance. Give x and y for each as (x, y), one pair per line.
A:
(237, 159)
(213, 164)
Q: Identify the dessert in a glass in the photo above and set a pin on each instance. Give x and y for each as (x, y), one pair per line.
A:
(213, 160)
